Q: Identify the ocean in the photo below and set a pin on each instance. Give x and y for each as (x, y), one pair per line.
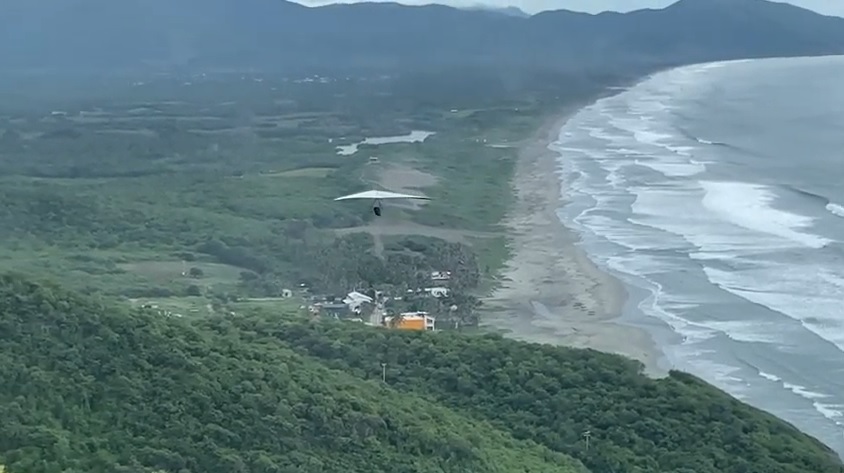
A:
(715, 192)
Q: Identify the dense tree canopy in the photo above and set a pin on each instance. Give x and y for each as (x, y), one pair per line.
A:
(554, 395)
(88, 386)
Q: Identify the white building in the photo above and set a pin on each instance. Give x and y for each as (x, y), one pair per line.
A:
(441, 275)
(437, 291)
(355, 299)
(412, 321)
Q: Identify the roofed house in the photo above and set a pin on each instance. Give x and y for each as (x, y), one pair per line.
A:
(356, 300)
(411, 321)
(335, 310)
(441, 276)
(437, 291)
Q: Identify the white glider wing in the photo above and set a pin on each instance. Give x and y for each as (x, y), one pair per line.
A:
(375, 195)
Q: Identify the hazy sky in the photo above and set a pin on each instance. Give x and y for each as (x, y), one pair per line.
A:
(829, 7)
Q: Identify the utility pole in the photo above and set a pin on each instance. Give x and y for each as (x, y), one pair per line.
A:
(587, 435)
(384, 372)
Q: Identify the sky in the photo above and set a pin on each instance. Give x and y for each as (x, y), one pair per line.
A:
(827, 7)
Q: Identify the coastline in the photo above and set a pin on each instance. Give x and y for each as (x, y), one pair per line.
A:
(550, 291)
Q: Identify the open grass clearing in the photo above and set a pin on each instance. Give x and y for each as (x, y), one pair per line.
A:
(167, 272)
(177, 306)
(313, 172)
(281, 305)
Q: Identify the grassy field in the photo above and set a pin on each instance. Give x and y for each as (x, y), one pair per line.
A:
(186, 198)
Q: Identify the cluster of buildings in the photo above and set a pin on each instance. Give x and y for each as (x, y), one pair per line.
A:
(359, 307)
(354, 305)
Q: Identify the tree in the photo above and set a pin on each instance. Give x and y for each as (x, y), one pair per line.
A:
(193, 290)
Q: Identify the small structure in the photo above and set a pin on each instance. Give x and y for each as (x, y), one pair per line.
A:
(354, 300)
(334, 310)
(354, 305)
(441, 276)
(437, 291)
(411, 321)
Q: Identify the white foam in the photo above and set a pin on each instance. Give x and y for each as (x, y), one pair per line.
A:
(557, 146)
(672, 167)
(599, 133)
(832, 412)
(644, 135)
(617, 232)
(615, 179)
(834, 279)
(712, 65)
(675, 162)
(753, 331)
(835, 209)
(656, 306)
(681, 150)
(721, 376)
(749, 206)
(627, 152)
(646, 264)
(770, 377)
(804, 392)
(668, 208)
(804, 293)
(720, 221)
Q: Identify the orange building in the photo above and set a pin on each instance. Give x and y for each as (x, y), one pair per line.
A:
(411, 321)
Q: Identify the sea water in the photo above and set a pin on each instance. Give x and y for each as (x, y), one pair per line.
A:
(716, 193)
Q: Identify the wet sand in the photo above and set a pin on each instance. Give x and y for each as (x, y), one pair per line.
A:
(550, 291)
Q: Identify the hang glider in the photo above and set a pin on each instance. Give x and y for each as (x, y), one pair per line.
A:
(378, 195)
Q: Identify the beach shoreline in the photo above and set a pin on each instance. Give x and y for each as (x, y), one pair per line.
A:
(550, 291)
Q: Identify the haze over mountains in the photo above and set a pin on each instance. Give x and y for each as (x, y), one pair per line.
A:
(509, 11)
(281, 35)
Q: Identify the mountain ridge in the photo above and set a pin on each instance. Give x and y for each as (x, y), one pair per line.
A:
(278, 35)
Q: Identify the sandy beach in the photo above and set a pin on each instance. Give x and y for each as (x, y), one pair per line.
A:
(551, 292)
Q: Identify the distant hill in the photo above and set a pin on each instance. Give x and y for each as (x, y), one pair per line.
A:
(508, 11)
(90, 386)
(282, 36)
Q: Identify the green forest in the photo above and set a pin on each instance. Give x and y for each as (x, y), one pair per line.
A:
(91, 385)
(193, 197)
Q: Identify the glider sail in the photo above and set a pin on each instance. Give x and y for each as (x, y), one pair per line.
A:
(378, 195)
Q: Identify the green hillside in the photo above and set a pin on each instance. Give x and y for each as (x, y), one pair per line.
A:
(88, 387)
(553, 395)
